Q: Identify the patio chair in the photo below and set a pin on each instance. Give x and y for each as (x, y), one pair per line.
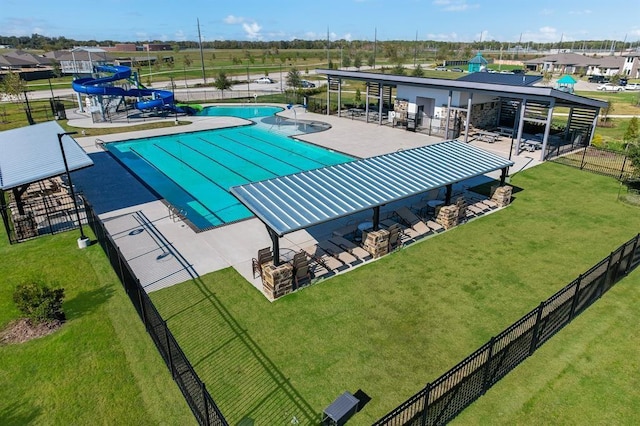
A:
(394, 236)
(264, 256)
(301, 269)
(324, 259)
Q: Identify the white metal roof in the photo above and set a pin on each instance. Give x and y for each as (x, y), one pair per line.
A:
(288, 203)
(32, 153)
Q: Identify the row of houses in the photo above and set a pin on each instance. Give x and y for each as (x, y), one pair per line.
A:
(627, 64)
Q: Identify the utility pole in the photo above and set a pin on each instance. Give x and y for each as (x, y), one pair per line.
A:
(204, 77)
(375, 46)
(328, 60)
(415, 51)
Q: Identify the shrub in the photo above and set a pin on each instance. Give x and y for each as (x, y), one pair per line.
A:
(39, 303)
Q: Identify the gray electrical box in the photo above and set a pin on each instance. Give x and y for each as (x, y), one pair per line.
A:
(340, 410)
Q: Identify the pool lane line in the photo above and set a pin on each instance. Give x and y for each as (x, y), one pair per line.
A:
(251, 148)
(168, 177)
(284, 149)
(214, 161)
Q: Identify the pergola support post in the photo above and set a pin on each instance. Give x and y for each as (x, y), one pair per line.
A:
(447, 197)
(547, 128)
(468, 120)
(376, 218)
(523, 107)
(503, 176)
(380, 103)
(275, 243)
(339, 96)
(446, 123)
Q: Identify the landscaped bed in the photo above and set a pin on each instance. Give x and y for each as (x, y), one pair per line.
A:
(390, 327)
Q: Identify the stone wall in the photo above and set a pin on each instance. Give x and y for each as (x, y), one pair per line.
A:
(277, 281)
(377, 243)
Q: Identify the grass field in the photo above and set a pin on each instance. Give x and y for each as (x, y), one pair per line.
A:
(391, 326)
(101, 367)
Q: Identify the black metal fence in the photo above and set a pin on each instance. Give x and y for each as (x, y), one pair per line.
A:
(598, 160)
(440, 401)
(203, 406)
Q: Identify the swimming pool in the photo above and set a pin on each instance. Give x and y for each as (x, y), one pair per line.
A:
(247, 112)
(194, 171)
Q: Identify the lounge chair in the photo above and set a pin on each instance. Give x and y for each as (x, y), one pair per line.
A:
(406, 234)
(413, 221)
(352, 248)
(324, 259)
(264, 256)
(339, 253)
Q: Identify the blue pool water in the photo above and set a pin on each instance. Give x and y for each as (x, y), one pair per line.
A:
(247, 112)
(194, 171)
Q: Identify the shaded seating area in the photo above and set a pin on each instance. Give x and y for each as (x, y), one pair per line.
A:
(302, 200)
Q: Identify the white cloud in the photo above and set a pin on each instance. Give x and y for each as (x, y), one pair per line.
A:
(347, 37)
(442, 36)
(252, 30)
(180, 36)
(545, 35)
(233, 20)
(580, 12)
(454, 5)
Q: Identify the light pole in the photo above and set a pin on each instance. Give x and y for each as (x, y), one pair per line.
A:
(149, 60)
(83, 241)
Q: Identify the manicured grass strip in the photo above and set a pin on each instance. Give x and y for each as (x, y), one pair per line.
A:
(389, 327)
(586, 374)
(101, 367)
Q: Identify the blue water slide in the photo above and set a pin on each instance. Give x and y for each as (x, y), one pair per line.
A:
(101, 86)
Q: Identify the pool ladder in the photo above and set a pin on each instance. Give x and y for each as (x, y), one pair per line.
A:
(176, 214)
(99, 143)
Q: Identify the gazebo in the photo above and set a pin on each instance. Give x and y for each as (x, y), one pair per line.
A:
(566, 83)
(477, 63)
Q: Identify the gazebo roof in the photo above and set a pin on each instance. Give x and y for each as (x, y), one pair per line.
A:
(567, 79)
(478, 59)
(32, 153)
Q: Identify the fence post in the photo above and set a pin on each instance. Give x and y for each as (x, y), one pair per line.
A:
(143, 314)
(624, 162)
(166, 337)
(536, 328)
(425, 404)
(608, 279)
(631, 255)
(206, 405)
(487, 367)
(574, 302)
(584, 153)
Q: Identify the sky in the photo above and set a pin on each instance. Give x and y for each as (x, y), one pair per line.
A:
(539, 21)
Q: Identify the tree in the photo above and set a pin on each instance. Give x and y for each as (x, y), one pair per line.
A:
(418, 71)
(358, 97)
(187, 61)
(546, 78)
(13, 86)
(398, 70)
(346, 61)
(371, 60)
(357, 62)
(222, 82)
(293, 78)
(632, 134)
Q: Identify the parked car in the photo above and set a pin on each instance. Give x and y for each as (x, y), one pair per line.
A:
(623, 81)
(307, 84)
(456, 69)
(608, 87)
(441, 68)
(632, 86)
(264, 80)
(598, 79)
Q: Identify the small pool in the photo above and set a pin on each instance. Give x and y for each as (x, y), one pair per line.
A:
(194, 171)
(240, 111)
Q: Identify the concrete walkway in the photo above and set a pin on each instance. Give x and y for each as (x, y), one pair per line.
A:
(165, 251)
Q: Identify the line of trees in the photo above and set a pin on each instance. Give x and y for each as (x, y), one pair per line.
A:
(40, 42)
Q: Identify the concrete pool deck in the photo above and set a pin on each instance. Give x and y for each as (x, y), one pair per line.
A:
(165, 251)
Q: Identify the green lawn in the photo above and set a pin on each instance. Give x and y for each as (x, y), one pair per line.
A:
(101, 367)
(391, 326)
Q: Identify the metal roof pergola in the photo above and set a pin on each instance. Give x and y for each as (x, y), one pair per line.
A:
(30, 154)
(293, 202)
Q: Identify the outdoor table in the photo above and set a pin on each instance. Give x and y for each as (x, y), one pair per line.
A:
(432, 204)
(356, 112)
(363, 227)
(531, 145)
